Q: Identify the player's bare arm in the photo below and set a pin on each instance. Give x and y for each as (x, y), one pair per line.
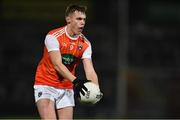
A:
(56, 60)
(89, 70)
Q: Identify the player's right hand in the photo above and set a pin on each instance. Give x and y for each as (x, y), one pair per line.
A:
(79, 86)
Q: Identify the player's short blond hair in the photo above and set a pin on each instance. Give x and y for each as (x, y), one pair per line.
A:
(72, 8)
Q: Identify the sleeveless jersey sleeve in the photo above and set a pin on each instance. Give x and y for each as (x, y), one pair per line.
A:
(87, 53)
(51, 43)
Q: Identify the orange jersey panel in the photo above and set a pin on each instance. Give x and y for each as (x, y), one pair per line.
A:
(71, 52)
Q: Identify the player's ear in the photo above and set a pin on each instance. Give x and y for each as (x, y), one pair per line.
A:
(67, 19)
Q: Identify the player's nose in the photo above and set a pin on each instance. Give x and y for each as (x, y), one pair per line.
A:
(83, 22)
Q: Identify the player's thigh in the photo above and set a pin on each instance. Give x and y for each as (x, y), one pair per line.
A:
(65, 113)
(46, 109)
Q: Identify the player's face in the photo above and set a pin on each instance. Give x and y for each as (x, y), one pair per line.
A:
(77, 22)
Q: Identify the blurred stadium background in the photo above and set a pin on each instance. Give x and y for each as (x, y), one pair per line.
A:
(136, 52)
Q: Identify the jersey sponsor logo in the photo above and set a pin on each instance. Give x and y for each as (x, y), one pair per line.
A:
(68, 59)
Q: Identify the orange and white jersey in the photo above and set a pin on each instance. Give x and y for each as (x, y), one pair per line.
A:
(72, 51)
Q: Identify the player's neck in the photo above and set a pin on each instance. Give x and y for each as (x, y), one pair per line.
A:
(71, 33)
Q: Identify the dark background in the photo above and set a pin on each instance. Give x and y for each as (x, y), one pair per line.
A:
(136, 53)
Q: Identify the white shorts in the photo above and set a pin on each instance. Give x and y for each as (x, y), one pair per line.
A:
(61, 97)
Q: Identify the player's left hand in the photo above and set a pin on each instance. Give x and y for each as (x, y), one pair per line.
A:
(79, 86)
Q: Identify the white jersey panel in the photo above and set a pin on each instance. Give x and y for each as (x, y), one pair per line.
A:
(51, 43)
(87, 53)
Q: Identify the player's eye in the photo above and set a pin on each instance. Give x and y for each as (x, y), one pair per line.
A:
(81, 19)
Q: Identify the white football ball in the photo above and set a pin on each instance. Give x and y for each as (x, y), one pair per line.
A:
(93, 94)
